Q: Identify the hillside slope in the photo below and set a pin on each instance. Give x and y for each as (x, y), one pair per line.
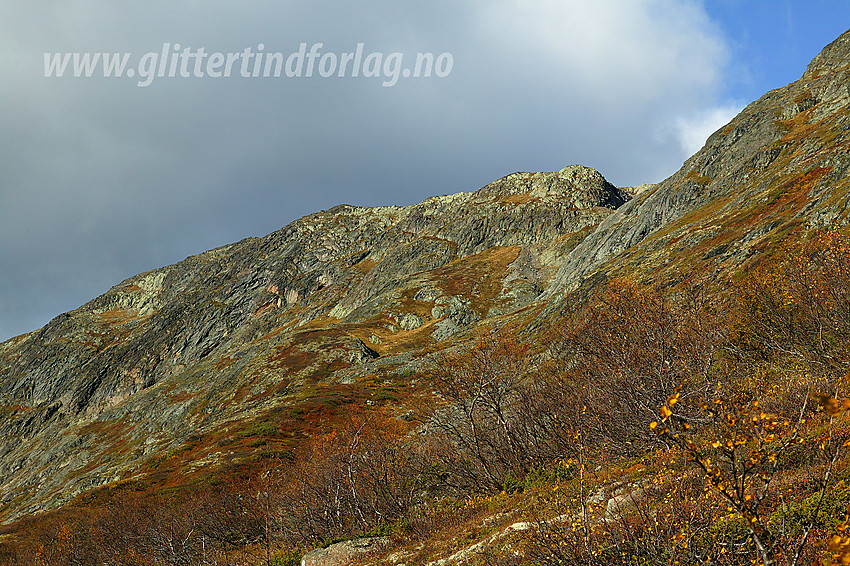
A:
(239, 330)
(251, 351)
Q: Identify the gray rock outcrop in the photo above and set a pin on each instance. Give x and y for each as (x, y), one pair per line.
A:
(346, 552)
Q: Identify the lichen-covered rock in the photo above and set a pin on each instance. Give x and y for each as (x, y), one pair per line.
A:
(346, 552)
(455, 308)
(409, 321)
(445, 328)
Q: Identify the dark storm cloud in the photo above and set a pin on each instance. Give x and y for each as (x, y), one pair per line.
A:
(102, 179)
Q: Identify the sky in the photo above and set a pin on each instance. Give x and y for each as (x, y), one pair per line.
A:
(102, 178)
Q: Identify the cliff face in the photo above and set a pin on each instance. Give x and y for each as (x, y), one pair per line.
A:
(171, 352)
(329, 302)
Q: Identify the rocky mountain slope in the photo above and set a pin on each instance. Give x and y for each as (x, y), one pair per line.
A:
(168, 372)
(241, 329)
(780, 165)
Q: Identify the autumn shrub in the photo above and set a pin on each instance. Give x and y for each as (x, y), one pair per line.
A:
(493, 417)
(715, 497)
(351, 480)
(794, 515)
(795, 305)
(616, 360)
(660, 520)
(741, 372)
(739, 451)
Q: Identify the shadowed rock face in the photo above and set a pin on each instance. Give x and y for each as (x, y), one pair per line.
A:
(180, 327)
(219, 339)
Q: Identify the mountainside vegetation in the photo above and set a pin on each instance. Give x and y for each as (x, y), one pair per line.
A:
(549, 370)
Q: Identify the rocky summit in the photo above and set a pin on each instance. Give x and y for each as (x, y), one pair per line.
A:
(183, 373)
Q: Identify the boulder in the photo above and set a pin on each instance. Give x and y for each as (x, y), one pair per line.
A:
(346, 552)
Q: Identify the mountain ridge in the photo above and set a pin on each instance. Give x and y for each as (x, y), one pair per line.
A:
(345, 265)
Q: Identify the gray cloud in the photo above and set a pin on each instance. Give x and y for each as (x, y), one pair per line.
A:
(102, 179)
